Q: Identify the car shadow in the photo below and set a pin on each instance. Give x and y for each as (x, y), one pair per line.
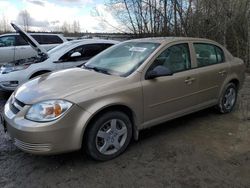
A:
(175, 124)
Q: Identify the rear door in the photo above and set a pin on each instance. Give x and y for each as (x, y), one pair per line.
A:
(212, 70)
(23, 49)
(7, 48)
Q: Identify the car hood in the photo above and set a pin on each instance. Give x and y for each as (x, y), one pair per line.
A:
(32, 42)
(62, 84)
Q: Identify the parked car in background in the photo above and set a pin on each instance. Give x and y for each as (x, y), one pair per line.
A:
(67, 55)
(129, 87)
(14, 47)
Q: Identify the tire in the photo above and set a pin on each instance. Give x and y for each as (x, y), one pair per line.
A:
(228, 99)
(108, 136)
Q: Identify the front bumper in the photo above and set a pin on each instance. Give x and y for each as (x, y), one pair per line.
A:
(5, 82)
(59, 136)
(8, 89)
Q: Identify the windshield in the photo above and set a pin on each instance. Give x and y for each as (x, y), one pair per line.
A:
(59, 47)
(122, 59)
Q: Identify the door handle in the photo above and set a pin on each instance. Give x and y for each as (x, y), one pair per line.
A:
(189, 80)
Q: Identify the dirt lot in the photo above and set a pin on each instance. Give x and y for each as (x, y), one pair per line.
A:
(204, 149)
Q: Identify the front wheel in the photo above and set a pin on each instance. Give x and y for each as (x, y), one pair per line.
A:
(228, 99)
(108, 136)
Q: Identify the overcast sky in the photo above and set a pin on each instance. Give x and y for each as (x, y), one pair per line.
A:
(48, 14)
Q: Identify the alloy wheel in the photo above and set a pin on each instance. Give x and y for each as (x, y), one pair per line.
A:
(111, 136)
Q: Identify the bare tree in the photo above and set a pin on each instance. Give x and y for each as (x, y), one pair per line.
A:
(24, 19)
(76, 27)
(4, 25)
(65, 28)
(226, 21)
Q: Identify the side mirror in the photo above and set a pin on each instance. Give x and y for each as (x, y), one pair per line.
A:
(158, 71)
(76, 54)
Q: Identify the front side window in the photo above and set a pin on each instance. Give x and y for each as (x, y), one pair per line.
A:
(60, 47)
(86, 52)
(176, 58)
(68, 56)
(208, 54)
(122, 59)
(91, 50)
(7, 41)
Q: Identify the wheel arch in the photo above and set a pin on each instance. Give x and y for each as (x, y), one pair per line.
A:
(232, 79)
(39, 72)
(114, 107)
(236, 82)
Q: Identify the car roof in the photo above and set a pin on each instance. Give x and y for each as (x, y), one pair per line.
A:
(14, 33)
(92, 41)
(163, 40)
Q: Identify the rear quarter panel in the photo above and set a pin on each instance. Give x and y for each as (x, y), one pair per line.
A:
(236, 72)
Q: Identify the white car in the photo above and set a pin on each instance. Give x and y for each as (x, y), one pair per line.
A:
(67, 55)
(14, 47)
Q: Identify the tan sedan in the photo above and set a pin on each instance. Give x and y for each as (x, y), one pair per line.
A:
(128, 87)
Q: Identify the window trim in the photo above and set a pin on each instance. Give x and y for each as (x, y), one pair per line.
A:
(214, 46)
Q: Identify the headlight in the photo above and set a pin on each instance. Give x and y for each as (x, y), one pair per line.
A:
(8, 69)
(48, 110)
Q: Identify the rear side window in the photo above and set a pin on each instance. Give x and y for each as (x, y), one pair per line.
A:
(51, 39)
(38, 38)
(48, 39)
(7, 41)
(20, 41)
(208, 54)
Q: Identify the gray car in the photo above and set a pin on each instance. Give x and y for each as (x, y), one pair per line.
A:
(129, 87)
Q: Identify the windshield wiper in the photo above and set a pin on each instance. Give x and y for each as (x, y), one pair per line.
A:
(97, 69)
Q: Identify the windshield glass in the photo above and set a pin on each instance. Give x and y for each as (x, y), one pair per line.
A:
(122, 59)
(59, 47)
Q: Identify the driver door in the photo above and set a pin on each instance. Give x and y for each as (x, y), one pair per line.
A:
(170, 96)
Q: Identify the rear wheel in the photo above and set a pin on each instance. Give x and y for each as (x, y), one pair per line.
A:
(228, 99)
(108, 136)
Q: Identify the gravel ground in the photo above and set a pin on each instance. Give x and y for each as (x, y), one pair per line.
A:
(203, 149)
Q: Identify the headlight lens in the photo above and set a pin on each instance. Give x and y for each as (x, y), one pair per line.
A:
(48, 110)
(8, 69)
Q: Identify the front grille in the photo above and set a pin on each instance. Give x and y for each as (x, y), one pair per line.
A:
(32, 147)
(14, 109)
(16, 105)
(19, 103)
